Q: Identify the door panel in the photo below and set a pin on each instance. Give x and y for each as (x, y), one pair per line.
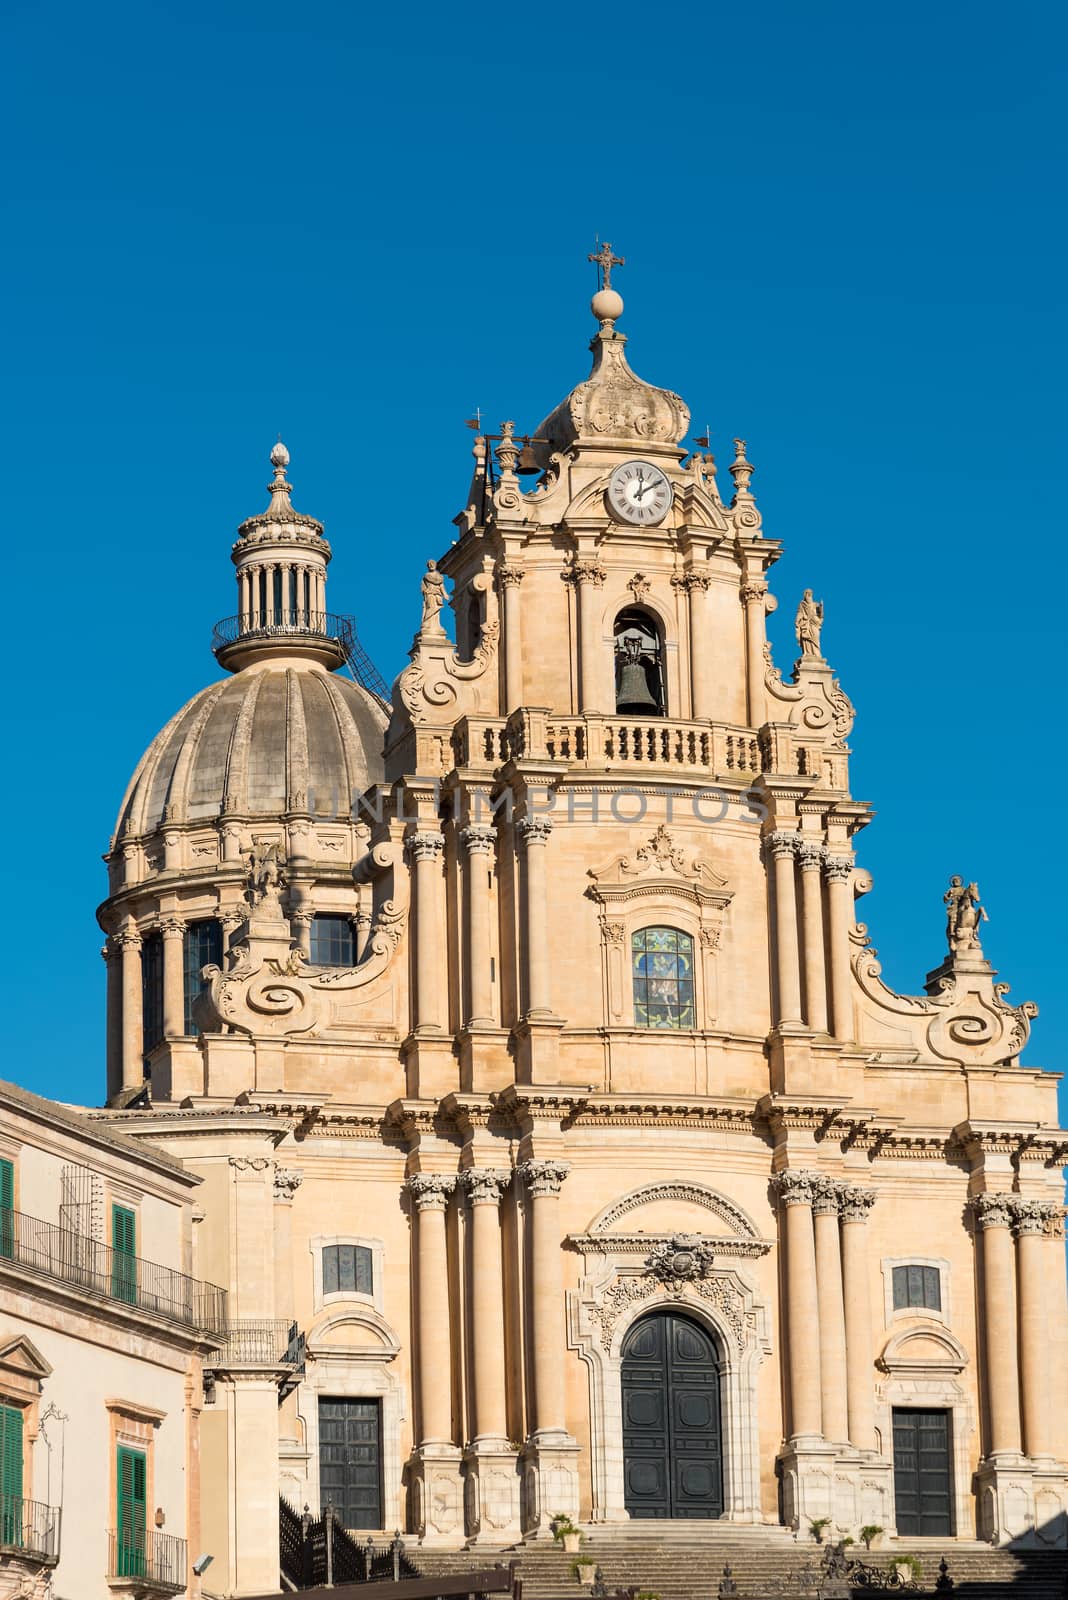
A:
(672, 1442)
(350, 1461)
(923, 1481)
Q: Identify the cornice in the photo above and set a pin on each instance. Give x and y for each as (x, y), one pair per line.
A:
(633, 1111)
(639, 1244)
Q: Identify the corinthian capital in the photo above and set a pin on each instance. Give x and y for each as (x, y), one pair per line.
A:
(1034, 1216)
(544, 1177)
(856, 1202)
(478, 839)
(534, 830)
(796, 1186)
(287, 1180)
(781, 843)
(484, 1185)
(993, 1210)
(839, 869)
(425, 846)
(431, 1190)
(827, 1195)
(509, 577)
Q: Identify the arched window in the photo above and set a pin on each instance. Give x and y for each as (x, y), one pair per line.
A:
(202, 946)
(662, 967)
(639, 665)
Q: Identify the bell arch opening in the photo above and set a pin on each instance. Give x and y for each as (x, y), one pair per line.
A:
(672, 1418)
(639, 664)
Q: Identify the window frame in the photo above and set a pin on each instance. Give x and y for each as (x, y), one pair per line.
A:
(679, 1027)
(894, 1314)
(192, 984)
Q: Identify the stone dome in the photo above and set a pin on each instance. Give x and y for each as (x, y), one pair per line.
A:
(280, 737)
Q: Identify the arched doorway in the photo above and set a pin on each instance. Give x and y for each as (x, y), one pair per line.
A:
(672, 1432)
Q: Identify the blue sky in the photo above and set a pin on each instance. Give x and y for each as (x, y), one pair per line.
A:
(844, 231)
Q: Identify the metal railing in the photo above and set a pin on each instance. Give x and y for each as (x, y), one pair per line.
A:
(265, 624)
(29, 1527)
(252, 1342)
(155, 1560)
(97, 1269)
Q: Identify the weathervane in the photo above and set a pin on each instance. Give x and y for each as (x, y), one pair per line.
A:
(606, 261)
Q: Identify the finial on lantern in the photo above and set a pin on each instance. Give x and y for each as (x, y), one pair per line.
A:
(606, 304)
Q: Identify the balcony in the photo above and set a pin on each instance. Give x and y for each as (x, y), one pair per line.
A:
(96, 1269)
(327, 636)
(145, 1563)
(250, 1342)
(30, 1529)
(616, 744)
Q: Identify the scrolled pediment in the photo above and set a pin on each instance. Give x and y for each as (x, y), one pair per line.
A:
(658, 866)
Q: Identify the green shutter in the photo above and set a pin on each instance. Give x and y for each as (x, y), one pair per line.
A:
(124, 1254)
(10, 1475)
(130, 1499)
(7, 1206)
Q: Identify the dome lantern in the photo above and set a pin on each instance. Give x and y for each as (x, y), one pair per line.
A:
(281, 558)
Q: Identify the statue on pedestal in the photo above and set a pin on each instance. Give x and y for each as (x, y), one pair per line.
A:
(963, 916)
(808, 624)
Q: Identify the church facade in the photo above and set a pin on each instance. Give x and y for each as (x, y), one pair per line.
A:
(542, 1083)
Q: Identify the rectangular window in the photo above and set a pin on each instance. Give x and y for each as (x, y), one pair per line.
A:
(152, 990)
(201, 947)
(917, 1288)
(347, 1269)
(332, 942)
(124, 1254)
(10, 1475)
(7, 1208)
(130, 1502)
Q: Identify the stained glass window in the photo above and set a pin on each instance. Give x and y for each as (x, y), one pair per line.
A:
(346, 1267)
(662, 964)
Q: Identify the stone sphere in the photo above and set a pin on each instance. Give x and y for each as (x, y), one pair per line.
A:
(607, 305)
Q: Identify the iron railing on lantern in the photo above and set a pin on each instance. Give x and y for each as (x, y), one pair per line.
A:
(95, 1268)
(156, 1560)
(29, 1527)
(262, 623)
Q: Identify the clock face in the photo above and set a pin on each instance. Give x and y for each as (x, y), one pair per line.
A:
(639, 492)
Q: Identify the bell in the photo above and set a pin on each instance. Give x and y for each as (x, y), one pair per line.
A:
(633, 694)
(528, 464)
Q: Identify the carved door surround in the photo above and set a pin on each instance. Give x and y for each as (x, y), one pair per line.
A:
(660, 883)
(922, 1368)
(707, 1277)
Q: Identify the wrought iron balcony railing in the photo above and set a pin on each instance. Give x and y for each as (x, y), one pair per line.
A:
(30, 1528)
(280, 620)
(97, 1269)
(146, 1559)
(250, 1342)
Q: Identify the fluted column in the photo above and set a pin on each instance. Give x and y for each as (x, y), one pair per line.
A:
(839, 871)
(544, 1180)
(533, 833)
(426, 850)
(781, 847)
(993, 1217)
(173, 930)
(479, 843)
(1031, 1219)
(701, 692)
(484, 1188)
(588, 577)
(810, 856)
(430, 1193)
(856, 1203)
(510, 578)
(796, 1190)
(754, 596)
(826, 1202)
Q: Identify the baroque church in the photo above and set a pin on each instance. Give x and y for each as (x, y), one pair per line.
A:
(539, 1073)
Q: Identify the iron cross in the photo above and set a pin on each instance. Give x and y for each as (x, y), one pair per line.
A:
(606, 261)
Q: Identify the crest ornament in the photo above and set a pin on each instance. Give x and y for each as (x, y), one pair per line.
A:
(682, 1259)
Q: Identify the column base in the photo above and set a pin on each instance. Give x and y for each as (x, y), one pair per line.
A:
(851, 1487)
(537, 1039)
(1022, 1502)
(437, 1495)
(549, 1462)
(491, 1493)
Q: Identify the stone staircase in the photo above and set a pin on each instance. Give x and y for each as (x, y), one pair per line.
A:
(678, 1564)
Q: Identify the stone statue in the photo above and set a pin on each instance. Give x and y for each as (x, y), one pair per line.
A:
(808, 623)
(963, 916)
(433, 599)
(266, 878)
